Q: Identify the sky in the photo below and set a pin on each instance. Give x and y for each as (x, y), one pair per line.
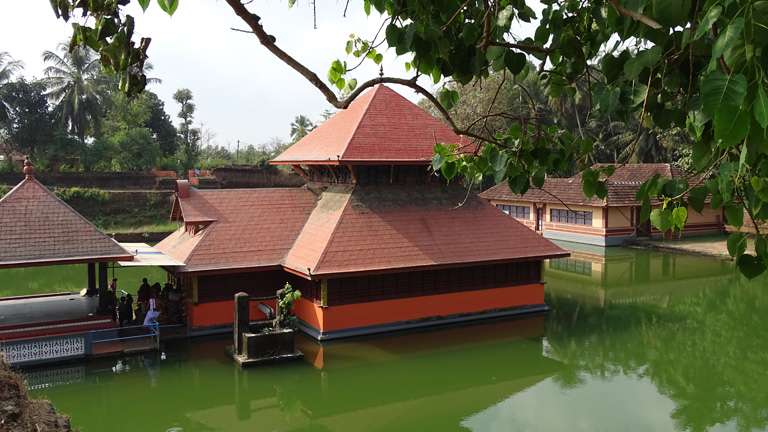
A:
(242, 92)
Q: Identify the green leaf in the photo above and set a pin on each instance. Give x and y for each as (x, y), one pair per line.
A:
(366, 6)
(168, 6)
(734, 215)
(728, 39)
(679, 217)
(352, 84)
(718, 89)
(697, 197)
(436, 75)
(731, 125)
(661, 219)
(706, 23)
(378, 58)
(761, 246)
(448, 98)
(760, 107)
(737, 244)
(671, 13)
(144, 4)
(751, 266)
(449, 169)
(494, 52)
(643, 59)
(515, 61)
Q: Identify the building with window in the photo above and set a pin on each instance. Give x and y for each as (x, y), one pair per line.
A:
(559, 210)
(374, 241)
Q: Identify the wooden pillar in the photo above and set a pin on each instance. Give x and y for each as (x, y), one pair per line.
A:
(91, 278)
(103, 284)
(241, 322)
(324, 293)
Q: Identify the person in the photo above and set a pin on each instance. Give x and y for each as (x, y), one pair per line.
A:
(129, 301)
(113, 285)
(144, 292)
(150, 320)
(156, 291)
(124, 311)
(167, 288)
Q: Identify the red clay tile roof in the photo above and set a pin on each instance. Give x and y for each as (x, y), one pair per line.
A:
(246, 228)
(384, 228)
(622, 187)
(379, 126)
(37, 228)
(350, 229)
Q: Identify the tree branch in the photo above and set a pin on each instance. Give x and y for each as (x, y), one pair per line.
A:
(634, 15)
(268, 41)
(522, 47)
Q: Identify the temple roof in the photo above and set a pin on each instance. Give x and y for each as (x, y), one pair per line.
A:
(622, 187)
(348, 230)
(243, 228)
(380, 126)
(37, 228)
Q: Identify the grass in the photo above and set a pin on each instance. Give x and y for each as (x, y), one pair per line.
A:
(164, 226)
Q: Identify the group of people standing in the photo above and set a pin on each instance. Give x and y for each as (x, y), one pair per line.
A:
(154, 303)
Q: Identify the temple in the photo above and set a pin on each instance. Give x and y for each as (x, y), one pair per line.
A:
(375, 241)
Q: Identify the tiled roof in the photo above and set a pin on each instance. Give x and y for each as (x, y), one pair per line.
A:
(389, 227)
(622, 187)
(37, 228)
(246, 228)
(379, 126)
(349, 229)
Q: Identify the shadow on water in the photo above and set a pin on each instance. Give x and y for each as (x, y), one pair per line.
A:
(635, 340)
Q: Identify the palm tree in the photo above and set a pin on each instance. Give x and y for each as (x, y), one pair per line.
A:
(76, 87)
(300, 127)
(8, 68)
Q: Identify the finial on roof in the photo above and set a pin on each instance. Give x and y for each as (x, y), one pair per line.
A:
(29, 170)
(381, 71)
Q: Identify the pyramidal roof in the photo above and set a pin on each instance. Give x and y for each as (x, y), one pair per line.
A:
(37, 228)
(379, 126)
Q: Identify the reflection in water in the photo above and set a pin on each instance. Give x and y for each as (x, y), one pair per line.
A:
(640, 341)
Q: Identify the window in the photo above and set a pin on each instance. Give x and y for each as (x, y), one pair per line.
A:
(571, 266)
(571, 217)
(516, 211)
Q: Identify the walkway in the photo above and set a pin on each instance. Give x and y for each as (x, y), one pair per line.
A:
(715, 246)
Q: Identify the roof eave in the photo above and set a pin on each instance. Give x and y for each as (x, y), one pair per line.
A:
(63, 261)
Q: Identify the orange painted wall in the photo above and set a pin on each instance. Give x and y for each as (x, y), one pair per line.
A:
(356, 315)
(220, 313)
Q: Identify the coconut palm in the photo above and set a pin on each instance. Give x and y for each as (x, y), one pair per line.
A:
(300, 127)
(76, 87)
(8, 68)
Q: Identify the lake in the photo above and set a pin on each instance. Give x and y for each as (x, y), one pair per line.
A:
(635, 341)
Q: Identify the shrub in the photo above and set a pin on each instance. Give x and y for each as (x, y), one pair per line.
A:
(4, 189)
(69, 195)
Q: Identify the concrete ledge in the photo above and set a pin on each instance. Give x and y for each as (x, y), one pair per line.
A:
(427, 322)
(597, 240)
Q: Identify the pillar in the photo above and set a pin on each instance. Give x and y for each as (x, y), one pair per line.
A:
(91, 278)
(241, 323)
(103, 287)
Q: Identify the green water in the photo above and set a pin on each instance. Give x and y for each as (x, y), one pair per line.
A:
(635, 341)
(72, 278)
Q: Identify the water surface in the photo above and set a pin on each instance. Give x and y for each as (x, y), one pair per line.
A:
(635, 341)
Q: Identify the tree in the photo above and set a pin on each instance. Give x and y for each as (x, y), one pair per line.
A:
(8, 69)
(29, 124)
(189, 137)
(76, 88)
(300, 127)
(159, 122)
(682, 63)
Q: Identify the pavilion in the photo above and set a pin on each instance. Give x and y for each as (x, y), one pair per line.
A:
(375, 242)
(39, 229)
